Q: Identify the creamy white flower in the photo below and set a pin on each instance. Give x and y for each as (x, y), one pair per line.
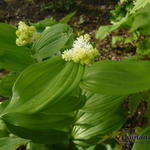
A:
(82, 52)
(48, 27)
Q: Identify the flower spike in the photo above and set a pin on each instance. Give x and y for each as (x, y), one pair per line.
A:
(82, 52)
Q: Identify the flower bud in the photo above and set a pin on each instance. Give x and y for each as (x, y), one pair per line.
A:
(26, 34)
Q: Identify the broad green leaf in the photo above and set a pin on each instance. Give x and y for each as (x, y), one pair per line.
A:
(43, 136)
(46, 108)
(117, 77)
(13, 57)
(51, 125)
(52, 40)
(59, 116)
(143, 144)
(3, 133)
(6, 84)
(11, 143)
(41, 121)
(3, 105)
(100, 116)
(43, 84)
(7, 33)
(3, 130)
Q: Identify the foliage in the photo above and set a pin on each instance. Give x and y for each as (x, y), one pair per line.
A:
(135, 19)
(121, 10)
(56, 103)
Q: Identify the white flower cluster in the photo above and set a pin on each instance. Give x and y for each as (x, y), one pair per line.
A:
(26, 34)
(82, 52)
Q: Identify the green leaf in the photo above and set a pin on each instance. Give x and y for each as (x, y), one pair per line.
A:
(3, 133)
(51, 125)
(143, 47)
(100, 116)
(139, 4)
(41, 25)
(7, 33)
(3, 130)
(143, 144)
(52, 40)
(137, 18)
(104, 31)
(117, 77)
(45, 83)
(118, 147)
(11, 143)
(3, 105)
(46, 108)
(43, 136)
(141, 20)
(59, 116)
(36, 146)
(6, 84)
(67, 18)
(13, 57)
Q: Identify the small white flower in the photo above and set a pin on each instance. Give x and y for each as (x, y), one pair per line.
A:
(82, 52)
(48, 27)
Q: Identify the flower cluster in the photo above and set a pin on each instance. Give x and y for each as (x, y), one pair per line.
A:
(82, 52)
(26, 34)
